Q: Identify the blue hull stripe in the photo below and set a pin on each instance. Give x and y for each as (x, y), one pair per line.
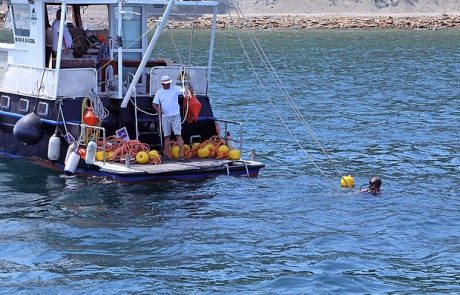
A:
(45, 121)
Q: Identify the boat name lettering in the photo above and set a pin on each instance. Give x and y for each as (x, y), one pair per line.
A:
(24, 40)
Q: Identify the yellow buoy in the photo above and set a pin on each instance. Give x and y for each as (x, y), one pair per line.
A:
(175, 152)
(223, 149)
(347, 181)
(142, 157)
(234, 155)
(195, 146)
(203, 153)
(210, 147)
(109, 156)
(153, 155)
(99, 155)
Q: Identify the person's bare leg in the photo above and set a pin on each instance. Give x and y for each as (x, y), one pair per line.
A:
(180, 142)
(167, 146)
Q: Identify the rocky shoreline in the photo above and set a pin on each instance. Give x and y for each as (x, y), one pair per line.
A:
(306, 21)
(428, 22)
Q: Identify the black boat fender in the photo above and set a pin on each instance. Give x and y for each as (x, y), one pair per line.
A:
(28, 129)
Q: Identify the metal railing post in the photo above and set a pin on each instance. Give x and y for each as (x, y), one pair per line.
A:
(83, 132)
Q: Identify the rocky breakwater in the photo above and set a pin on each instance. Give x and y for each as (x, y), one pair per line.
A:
(429, 22)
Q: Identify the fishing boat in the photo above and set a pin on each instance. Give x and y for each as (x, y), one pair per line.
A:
(85, 113)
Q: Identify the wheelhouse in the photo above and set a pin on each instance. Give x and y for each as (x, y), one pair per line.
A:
(110, 40)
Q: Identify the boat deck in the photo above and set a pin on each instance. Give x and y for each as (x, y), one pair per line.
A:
(171, 166)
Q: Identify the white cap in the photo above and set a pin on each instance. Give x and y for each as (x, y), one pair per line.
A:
(165, 80)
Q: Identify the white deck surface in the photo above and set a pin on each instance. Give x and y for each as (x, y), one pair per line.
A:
(167, 166)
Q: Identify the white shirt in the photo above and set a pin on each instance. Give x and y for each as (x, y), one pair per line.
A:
(167, 100)
(55, 34)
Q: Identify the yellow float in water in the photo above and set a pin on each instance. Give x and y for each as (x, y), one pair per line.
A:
(234, 155)
(142, 157)
(347, 181)
(203, 153)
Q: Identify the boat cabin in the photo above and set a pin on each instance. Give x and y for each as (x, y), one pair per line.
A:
(109, 41)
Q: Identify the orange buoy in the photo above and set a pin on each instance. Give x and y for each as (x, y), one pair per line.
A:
(89, 118)
(82, 153)
(194, 108)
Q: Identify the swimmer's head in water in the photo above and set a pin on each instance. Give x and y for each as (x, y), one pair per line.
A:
(374, 184)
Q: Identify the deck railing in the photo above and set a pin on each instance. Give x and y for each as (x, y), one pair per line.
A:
(84, 134)
(35, 81)
(228, 141)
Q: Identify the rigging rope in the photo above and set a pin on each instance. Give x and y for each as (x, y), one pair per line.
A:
(267, 94)
(185, 70)
(98, 107)
(272, 72)
(175, 47)
(191, 35)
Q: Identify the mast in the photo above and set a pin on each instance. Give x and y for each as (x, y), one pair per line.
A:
(120, 49)
(148, 52)
(59, 50)
(211, 48)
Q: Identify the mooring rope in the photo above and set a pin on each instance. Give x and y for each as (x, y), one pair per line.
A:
(191, 35)
(272, 72)
(179, 56)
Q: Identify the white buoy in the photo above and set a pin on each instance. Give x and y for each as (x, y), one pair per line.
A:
(70, 149)
(72, 163)
(91, 152)
(54, 147)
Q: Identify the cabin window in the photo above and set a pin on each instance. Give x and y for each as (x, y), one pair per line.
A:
(42, 108)
(5, 102)
(21, 17)
(23, 105)
(132, 26)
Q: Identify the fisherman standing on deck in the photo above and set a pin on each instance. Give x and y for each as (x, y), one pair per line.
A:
(67, 37)
(166, 103)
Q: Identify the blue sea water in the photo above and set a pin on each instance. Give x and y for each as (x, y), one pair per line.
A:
(381, 102)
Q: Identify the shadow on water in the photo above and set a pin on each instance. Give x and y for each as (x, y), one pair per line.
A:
(36, 192)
